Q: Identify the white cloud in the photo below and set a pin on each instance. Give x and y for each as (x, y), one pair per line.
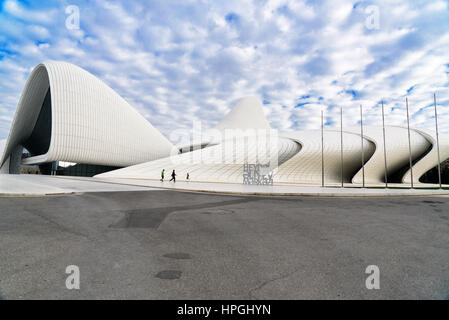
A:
(176, 63)
(15, 9)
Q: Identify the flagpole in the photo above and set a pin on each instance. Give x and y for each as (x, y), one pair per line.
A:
(385, 146)
(409, 144)
(322, 149)
(363, 153)
(438, 140)
(341, 146)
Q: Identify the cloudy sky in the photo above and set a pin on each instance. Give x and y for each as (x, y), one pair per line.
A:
(179, 61)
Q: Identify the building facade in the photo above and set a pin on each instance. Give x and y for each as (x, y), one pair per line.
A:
(71, 123)
(67, 114)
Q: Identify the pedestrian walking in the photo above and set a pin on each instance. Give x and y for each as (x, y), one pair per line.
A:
(173, 176)
(162, 175)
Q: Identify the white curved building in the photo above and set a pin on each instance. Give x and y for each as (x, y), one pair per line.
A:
(65, 114)
(247, 114)
(428, 160)
(397, 149)
(306, 167)
(299, 159)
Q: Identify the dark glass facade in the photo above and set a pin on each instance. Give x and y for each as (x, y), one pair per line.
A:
(39, 141)
(83, 170)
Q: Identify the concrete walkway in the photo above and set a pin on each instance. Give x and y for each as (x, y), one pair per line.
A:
(285, 190)
(38, 185)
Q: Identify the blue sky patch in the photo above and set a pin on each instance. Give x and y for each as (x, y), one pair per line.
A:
(179, 62)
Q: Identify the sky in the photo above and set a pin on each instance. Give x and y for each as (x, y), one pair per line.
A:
(181, 61)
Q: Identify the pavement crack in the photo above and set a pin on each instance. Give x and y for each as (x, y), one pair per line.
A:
(263, 284)
(56, 224)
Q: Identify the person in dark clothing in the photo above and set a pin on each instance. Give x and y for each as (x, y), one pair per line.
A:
(173, 176)
(188, 176)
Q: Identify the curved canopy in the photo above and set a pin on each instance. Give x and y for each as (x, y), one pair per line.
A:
(67, 114)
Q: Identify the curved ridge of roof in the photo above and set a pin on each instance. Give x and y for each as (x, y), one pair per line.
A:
(247, 113)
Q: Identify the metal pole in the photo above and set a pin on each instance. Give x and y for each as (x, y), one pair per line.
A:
(322, 149)
(385, 146)
(363, 153)
(341, 146)
(438, 141)
(409, 144)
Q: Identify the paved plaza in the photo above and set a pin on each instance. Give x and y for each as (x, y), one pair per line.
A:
(166, 244)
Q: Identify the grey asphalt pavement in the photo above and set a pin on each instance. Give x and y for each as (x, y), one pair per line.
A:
(179, 245)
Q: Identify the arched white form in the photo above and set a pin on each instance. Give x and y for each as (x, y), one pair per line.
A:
(430, 160)
(90, 123)
(246, 114)
(397, 152)
(299, 160)
(305, 166)
(85, 121)
(299, 154)
(27, 112)
(244, 137)
(245, 118)
(218, 163)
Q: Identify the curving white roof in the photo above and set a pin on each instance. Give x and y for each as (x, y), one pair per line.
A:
(246, 114)
(218, 163)
(90, 123)
(397, 149)
(299, 153)
(429, 160)
(306, 167)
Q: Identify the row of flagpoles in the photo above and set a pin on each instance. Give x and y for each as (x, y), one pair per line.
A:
(384, 145)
